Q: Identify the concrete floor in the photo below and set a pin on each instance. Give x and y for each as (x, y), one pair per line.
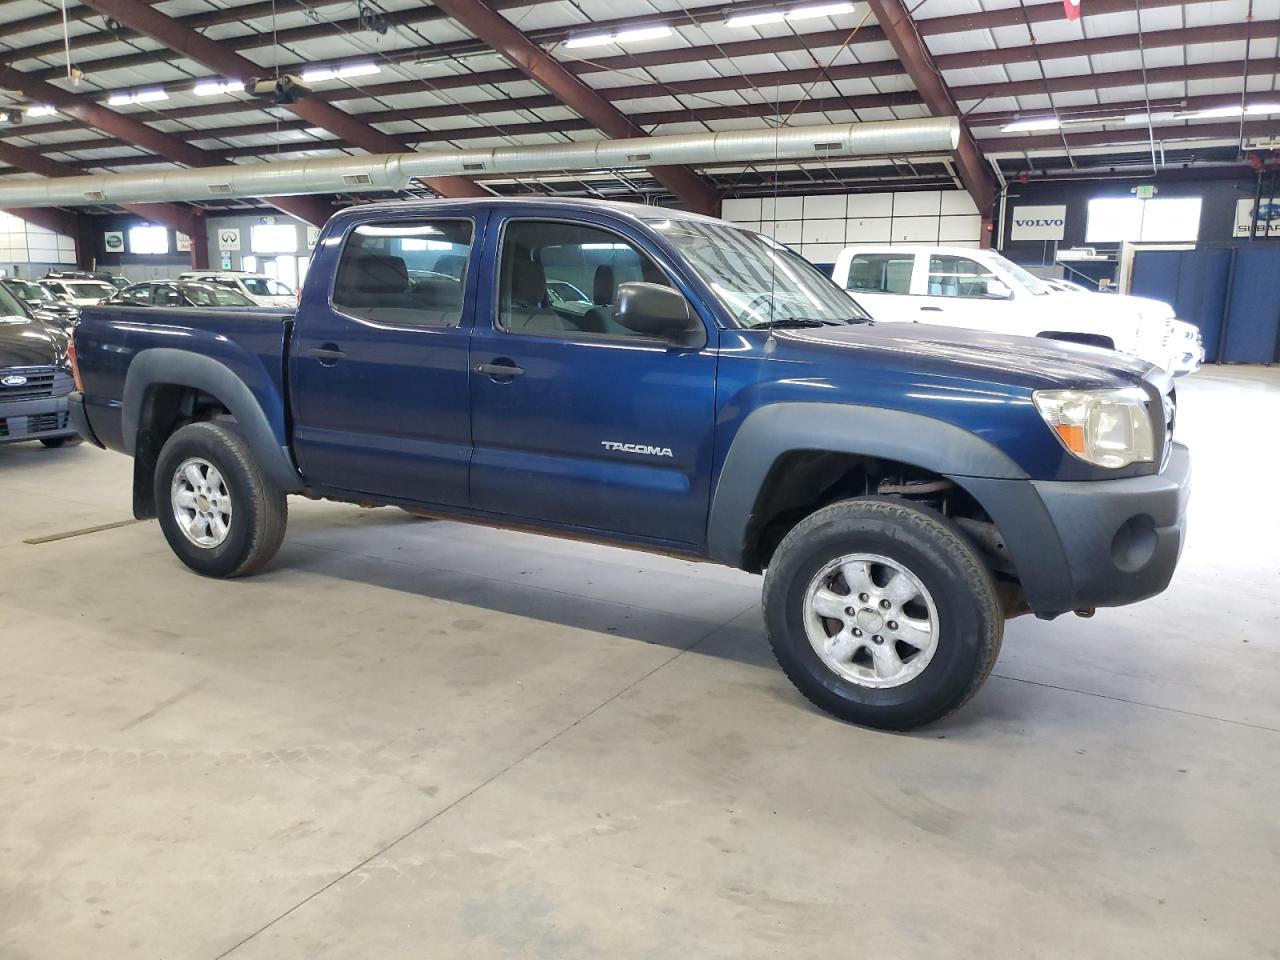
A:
(410, 738)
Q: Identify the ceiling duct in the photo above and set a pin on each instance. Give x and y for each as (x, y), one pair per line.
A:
(398, 171)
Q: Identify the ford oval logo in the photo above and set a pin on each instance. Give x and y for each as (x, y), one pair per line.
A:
(14, 381)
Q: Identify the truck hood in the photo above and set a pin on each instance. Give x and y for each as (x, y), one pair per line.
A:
(1114, 304)
(1028, 362)
(27, 342)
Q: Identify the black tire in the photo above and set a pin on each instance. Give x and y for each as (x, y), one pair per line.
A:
(260, 511)
(55, 442)
(969, 618)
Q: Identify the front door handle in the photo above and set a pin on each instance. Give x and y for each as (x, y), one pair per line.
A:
(328, 355)
(500, 370)
(932, 309)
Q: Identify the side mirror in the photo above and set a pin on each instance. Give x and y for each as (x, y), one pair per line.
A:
(654, 310)
(998, 290)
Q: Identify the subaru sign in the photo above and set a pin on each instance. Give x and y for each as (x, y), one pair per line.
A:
(1039, 223)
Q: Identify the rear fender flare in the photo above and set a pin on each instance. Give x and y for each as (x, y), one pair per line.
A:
(181, 368)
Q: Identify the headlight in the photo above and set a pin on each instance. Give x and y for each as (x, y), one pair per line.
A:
(1109, 428)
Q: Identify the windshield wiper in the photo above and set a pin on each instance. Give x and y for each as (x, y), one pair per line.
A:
(783, 322)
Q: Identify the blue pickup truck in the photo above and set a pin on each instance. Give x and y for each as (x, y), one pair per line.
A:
(904, 489)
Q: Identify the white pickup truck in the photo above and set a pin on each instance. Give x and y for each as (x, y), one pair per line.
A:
(981, 290)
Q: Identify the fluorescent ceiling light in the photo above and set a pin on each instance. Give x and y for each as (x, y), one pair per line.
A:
(212, 88)
(642, 33)
(631, 35)
(320, 74)
(1037, 123)
(137, 96)
(753, 18)
(42, 110)
(1252, 110)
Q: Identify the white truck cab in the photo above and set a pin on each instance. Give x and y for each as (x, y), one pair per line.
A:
(981, 290)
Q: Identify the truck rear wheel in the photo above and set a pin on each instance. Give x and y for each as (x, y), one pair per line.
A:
(881, 613)
(220, 514)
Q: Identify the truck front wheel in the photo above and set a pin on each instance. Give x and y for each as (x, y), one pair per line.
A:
(221, 516)
(881, 613)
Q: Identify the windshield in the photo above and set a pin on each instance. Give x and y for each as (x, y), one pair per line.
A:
(89, 290)
(265, 287)
(759, 280)
(1028, 281)
(11, 306)
(29, 291)
(211, 296)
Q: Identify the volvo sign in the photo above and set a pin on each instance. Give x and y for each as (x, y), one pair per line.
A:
(1039, 223)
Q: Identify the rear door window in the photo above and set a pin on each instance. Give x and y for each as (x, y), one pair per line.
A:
(405, 272)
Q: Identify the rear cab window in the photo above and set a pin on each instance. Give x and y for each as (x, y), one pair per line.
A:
(881, 272)
(405, 272)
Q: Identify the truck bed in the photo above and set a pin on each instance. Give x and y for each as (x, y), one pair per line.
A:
(252, 344)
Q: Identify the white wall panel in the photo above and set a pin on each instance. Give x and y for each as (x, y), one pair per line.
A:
(915, 229)
(952, 229)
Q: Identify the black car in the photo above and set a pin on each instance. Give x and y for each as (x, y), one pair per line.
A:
(35, 377)
(180, 293)
(43, 304)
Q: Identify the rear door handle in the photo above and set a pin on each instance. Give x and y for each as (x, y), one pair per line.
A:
(932, 309)
(328, 355)
(500, 370)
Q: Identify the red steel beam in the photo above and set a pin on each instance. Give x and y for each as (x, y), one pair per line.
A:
(499, 33)
(138, 134)
(185, 41)
(895, 19)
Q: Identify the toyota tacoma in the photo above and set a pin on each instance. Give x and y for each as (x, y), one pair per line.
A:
(904, 489)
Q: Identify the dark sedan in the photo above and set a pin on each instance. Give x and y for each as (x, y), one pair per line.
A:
(180, 293)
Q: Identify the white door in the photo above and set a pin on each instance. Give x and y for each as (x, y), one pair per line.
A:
(962, 292)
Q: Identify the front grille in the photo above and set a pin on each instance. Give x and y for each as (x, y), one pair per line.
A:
(37, 382)
(1169, 401)
(40, 423)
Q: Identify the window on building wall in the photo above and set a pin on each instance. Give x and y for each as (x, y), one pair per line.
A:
(148, 240)
(1116, 219)
(274, 238)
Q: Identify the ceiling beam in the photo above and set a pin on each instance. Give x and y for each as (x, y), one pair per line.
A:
(499, 33)
(138, 134)
(1082, 113)
(695, 16)
(974, 94)
(1227, 130)
(1020, 14)
(176, 37)
(895, 19)
(1222, 70)
(1119, 43)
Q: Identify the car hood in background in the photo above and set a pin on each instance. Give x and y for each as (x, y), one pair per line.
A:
(28, 342)
(1029, 362)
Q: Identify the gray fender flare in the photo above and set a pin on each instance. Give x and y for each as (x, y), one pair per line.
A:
(185, 369)
(777, 429)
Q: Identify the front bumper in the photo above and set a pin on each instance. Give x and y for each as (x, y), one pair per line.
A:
(38, 419)
(1083, 544)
